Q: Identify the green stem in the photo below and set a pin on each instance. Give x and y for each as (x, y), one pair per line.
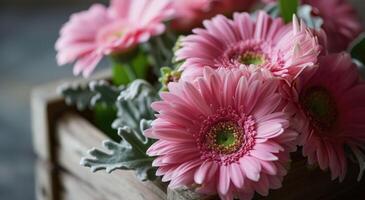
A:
(130, 71)
(166, 52)
(123, 72)
(171, 36)
(155, 59)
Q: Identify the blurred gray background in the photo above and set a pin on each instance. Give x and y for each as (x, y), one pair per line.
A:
(28, 30)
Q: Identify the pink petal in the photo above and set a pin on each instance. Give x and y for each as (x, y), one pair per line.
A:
(263, 155)
(251, 167)
(236, 175)
(224, 180)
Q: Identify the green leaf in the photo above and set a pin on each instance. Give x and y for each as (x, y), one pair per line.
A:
(84, 97)
(104, 93)
(140, 65)
(305, 13)
(134, 104)
(119, 74)
(272, 10)
(128, 67)
(129, 154)
(357, 48)
(104, 115)
(133, 117)
(77, 95)
(288, 8)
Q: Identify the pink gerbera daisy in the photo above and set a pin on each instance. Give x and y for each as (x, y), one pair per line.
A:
(100, 31)
(331, 104)
(224, 133)
(267, 43)
(342, 29)
(191, 13)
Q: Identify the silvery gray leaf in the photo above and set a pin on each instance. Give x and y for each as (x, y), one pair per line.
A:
(129, 154)
(305, 12)
(77, 95)
(134, 104)
(84, 97)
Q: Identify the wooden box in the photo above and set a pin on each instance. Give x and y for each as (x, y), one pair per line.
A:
(62, 136)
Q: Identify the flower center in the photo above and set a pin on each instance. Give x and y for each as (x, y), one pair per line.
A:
(250, 52)
(252, 58)
(225, 137)
(320, 107)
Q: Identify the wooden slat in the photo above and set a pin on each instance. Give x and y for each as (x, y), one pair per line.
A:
(185, 194)
(75, 136)
(43, 186)
(46, 106)
(73, 188)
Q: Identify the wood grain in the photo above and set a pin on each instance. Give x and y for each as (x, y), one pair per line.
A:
(46, 106)
(75, 136)
(44, 183)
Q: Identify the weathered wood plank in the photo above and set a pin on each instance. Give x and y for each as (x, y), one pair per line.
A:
(75, 136)
(46, 106)
(186, 193)
(73, 188)
(44, 182)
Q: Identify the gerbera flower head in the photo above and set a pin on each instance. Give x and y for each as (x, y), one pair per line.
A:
(224, 132)
(331, 103)
(191, 13)
(342, 29)
(262, 43)
(100, 31)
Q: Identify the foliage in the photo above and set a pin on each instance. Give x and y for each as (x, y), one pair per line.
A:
(127, 68)
(129, 154)
(134, 116)
(134, 104)
(288, 8)
(305, 13)
(159, 51)
(84, 97)
(168, 75)
(357, 49)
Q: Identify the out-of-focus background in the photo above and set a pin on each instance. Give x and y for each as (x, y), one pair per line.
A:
(28, 30)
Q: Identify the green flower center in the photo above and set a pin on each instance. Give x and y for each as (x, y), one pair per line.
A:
(251, 58)
(320, 107)
(225, 137)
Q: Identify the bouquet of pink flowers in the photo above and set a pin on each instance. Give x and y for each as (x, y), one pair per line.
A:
(213, 98)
